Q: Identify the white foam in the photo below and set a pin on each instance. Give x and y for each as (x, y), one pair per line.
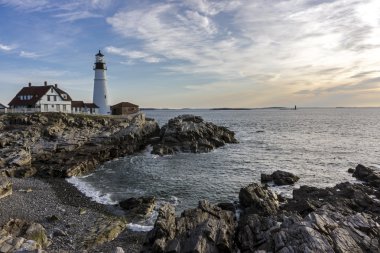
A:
(139, 228)
(90, 191)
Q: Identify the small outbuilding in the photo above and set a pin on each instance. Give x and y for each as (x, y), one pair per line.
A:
(124, 108)
(82, 107)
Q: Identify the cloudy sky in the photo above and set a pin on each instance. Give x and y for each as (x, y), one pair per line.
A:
(197, 53)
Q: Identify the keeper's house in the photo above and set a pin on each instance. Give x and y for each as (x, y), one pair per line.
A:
(46, 98)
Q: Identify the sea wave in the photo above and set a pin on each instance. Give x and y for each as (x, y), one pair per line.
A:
(139, 228)
(88, 190)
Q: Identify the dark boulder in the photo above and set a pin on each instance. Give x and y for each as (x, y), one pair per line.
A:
(280, 177)
(368, 175)
(191, 134)
(140, 207)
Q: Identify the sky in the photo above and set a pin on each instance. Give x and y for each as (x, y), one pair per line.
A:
(197, 53)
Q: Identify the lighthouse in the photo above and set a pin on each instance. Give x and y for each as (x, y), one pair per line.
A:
(100, 97)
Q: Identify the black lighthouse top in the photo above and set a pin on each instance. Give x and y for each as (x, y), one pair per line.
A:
(99, 54)
(99, 61)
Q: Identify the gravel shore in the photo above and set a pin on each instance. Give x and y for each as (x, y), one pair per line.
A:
(67, 215)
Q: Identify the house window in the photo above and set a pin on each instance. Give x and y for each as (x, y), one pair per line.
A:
(52, 90)
(64, 107)
(52, 106)
(46, 108)
(58, 108)
(55, 98)
(48, 97)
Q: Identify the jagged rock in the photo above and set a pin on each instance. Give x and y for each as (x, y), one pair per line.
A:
(206, 229)
(258, 199)
(5, 187)
(140, 207)
(368, 175)
(280, 177)
(189, 133)
(104, 230)
(23, 236)
(20, 158)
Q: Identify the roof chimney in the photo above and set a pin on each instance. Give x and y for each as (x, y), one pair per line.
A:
(45, 83)
(30, 84)
(56, 85)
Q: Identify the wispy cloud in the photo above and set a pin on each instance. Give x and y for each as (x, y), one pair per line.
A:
(26, 5)
(65, 10)
(248, 40)
(4, 47)
(76, 15)
(27, 54)
(132, 55)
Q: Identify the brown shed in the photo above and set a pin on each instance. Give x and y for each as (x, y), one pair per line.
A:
(124, 108)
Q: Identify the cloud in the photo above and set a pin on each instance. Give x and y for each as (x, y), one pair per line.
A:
(4, 47)
(132, 55)
(26, 5)
(26, 54)
(66, 10)
(76, 15)
(306, 45)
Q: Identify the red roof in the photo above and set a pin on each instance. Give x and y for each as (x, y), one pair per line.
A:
(37, 92)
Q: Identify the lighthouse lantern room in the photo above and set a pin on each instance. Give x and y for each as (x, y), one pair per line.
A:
(100, 97)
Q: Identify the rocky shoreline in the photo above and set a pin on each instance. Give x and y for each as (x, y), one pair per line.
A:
(344, 218)
(41, 212)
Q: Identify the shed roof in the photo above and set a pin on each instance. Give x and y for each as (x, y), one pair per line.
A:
(124, 104)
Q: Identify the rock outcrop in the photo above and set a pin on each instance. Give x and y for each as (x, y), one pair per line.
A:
(64, 145)
(140, 207)
(21, 236)
(207, 229)
(280, 177)
(367, 175)
(5, 187)
(189, 133)
(344, 218)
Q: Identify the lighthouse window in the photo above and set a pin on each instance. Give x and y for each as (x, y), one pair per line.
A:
(105, 96)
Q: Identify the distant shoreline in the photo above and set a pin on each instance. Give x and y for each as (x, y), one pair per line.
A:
(259, 108)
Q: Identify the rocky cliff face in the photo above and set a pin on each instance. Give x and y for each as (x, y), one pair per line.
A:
(189, 133)
(344, 218)
(62, 145)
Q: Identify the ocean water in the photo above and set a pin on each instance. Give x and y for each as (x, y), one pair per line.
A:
(319, 145)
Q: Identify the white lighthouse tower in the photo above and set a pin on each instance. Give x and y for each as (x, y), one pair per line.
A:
(100, 97)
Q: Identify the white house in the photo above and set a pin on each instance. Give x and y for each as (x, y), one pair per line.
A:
(47, 98)
(3, 108)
